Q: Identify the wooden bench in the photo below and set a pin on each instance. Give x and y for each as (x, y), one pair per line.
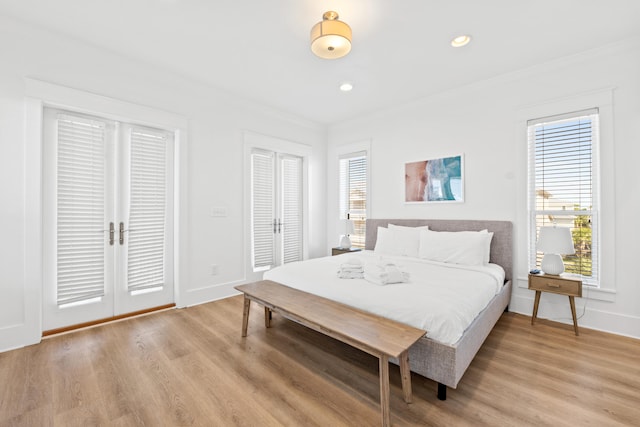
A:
(375, 335)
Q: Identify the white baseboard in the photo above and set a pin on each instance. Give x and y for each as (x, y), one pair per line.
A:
(18, 336)
(556, 308)
(209, 293)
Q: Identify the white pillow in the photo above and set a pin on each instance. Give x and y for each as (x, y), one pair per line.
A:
(457, 247)
(384, 242)
(487, 254)
(406, 240)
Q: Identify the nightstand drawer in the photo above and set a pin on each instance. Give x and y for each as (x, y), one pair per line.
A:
(558, 285)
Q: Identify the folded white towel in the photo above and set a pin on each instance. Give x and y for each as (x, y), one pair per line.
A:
(351, 267)
(351, 270)
(384, 273)
(353, 261)
(394, 275)
(350, 275)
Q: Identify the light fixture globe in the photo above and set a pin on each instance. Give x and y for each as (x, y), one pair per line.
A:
(330, 38)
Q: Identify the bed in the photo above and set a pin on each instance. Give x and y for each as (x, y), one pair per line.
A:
(446, 358)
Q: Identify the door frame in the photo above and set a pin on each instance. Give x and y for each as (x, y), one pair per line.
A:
(253, 140)
(40, 94)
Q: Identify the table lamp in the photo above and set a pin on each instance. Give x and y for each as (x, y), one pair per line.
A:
(554, 242)
(347, 225)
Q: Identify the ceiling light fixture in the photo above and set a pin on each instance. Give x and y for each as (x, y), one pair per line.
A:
(330, 38)
(460, 41)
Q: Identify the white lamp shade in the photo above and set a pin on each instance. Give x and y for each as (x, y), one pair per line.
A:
(555, 240)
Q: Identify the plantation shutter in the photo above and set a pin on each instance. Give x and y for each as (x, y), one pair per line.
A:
(81, 223)
(291, 209)
(262, 208)
(353, 194)
(147, 212)
(563, 187)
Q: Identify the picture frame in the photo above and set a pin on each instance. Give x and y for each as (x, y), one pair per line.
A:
(438, 180)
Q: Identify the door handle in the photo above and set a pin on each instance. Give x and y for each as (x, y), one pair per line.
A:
(112, 232)
(122, 233)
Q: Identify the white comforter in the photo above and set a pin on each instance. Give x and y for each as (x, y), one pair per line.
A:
(442, 299)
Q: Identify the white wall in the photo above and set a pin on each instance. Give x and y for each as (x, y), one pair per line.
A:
(485, 122)
(213, 172)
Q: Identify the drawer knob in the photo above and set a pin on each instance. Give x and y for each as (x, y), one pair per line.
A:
(553, 285)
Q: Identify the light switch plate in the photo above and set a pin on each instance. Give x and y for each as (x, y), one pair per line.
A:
(218, 212)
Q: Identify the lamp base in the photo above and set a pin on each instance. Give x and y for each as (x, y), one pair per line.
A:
(552, 264)
(345, 242)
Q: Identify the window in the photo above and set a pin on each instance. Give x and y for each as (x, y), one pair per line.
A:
(563, 184)
(353, 194)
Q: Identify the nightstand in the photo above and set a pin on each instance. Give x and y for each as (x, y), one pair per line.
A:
(563, 285)
(339, 251)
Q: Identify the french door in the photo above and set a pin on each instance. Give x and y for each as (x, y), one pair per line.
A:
(276, 208)
(108, 215)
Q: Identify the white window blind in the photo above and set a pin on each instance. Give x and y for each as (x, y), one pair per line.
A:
(563, 174)
(262, 208)
(291, 209)
(80, 209)
(353, 194)
(147, 212)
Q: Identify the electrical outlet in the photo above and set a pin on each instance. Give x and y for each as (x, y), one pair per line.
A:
(214, 269)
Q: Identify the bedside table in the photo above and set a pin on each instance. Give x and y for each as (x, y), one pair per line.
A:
(562, 285)
(339, 251)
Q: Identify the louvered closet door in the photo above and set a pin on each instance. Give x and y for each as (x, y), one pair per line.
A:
(144, 267)
(263, 211)
(276, 209)
(290, 208)
(107, 201)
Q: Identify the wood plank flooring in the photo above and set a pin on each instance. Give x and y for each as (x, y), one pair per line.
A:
(190, 367)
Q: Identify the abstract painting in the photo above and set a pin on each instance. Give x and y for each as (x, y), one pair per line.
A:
(435, 180)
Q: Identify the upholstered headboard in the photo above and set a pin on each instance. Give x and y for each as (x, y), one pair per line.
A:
(501, 243)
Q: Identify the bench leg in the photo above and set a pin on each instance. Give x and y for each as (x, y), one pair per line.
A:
(384, 390)
(405, 374)
(267, 317)
(245, 315)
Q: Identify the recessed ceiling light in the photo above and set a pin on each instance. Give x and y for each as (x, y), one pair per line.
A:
(461, 40)
(346, 87)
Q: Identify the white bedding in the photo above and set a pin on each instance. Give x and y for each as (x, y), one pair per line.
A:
(442, 299)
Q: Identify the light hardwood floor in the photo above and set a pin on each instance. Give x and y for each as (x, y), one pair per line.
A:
(191, 367)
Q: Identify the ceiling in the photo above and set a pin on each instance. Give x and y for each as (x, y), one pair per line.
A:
(260, 51)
